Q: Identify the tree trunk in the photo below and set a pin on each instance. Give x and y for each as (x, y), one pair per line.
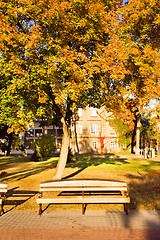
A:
(138, 134)
(64, 151)
(157, 141)
(133, 138)
(76, 141)
(10, 140)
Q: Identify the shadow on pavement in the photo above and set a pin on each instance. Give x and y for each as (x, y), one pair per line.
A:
(16, 197)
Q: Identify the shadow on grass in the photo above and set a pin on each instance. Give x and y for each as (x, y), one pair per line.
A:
(145, 193)
(26, 172)
(7, 162)
(73, 174)
(80, 162)
(84, 162)
(115, 161)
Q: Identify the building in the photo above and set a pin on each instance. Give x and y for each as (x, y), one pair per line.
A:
(94, 133)
(36, 132)
(90, 133)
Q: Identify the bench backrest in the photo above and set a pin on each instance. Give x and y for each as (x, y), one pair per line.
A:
(3, 187)
(83, 185)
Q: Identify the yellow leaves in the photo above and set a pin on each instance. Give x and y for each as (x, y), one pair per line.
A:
(65, 5)
(150, 53)
(139, 19)
(34, 37)
(40, 112)
(42, 97)
(64, 44)
(134, 51)
(157, 68)
(157, 19)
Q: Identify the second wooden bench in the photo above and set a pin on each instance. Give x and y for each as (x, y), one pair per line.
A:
(3, 190)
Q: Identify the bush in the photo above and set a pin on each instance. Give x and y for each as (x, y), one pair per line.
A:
(43, 147)
(17, 144)
(70, 157)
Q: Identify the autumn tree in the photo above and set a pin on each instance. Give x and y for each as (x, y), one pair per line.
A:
(6, 139)
(154, 113)
(57, 55)
(53, 56)
(139, 28)
(123, 120)
(148, 132)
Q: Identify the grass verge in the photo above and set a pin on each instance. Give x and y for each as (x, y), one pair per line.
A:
(23, 178)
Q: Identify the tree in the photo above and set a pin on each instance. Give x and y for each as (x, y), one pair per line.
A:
(43, 147)
(53, 55)
(139, 28)
(9, 139)
(58, 55)
(148, 133)
(123, 120)
(6, 139)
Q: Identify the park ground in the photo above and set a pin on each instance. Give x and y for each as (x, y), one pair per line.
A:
(24, 176)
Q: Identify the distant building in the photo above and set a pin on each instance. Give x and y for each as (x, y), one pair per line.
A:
(92, 128)
(36, 132)
(94, 133)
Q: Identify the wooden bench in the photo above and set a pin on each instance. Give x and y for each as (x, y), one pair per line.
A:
(84, 192)
(3, 190)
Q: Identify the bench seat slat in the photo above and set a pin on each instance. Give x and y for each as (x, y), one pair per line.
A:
(89, 183)
(3, 185)
(67, 189)
(3, 190)
(76, 200)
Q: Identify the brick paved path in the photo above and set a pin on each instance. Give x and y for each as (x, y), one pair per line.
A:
(79, 234)
(94, 225)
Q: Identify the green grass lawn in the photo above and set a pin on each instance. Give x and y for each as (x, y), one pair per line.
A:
(23, 178)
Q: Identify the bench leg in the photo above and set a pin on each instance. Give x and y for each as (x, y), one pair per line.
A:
(83, 211)
(83, 208)
(40, 205)
(126, 208)
(40, 209)
(1, 208)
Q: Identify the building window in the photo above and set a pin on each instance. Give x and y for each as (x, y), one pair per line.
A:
(38, 132)
(50, 132)
(93, 112)
(113, 133)
(28, 144)
(80, 112)
(80, 129)
(94, 144)
(112, 144)
(59, 132)
(94, 128)
(30, 133)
